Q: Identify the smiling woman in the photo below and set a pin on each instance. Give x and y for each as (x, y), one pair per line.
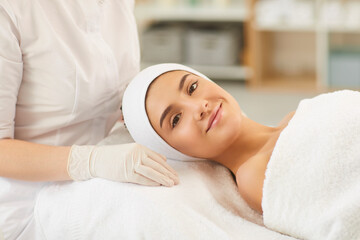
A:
(309, 159)
(186, 116)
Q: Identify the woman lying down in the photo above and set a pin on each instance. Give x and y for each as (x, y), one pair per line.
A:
(303, 175)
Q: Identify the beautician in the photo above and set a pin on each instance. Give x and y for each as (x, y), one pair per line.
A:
(63, 68)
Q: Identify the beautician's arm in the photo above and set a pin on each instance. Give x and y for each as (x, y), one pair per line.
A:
(19, 159)
(129, 162)
(33, 162)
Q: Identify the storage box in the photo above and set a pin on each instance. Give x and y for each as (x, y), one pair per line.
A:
(163, 43)
(212, 46)
(344, 68)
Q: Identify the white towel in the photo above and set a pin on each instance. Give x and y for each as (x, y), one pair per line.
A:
(312, 184)
(205, 205)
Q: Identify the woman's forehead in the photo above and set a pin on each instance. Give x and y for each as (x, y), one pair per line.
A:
(167, 79)
(171, 76)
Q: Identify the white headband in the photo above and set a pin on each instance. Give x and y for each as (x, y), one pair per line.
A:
(134, 111)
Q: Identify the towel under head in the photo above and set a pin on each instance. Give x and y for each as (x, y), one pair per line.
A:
(134, 111)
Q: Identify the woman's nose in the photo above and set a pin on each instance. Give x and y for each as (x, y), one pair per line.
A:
(203, 110)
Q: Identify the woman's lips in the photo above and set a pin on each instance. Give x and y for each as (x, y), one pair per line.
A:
(215, 117)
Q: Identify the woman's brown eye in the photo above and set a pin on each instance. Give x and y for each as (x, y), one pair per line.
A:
(193, 87)
(175, 120)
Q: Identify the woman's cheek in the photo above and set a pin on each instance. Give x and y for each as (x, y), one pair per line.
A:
(186, 140)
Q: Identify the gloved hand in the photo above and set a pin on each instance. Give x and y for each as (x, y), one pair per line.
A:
(130, 162)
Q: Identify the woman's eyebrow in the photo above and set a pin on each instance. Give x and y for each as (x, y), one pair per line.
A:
(182, 81)
(163, 115)
(168, 109)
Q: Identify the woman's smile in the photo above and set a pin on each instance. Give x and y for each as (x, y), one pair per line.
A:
(215, 117)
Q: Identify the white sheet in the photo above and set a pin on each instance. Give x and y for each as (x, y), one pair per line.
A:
(312, 185)
(205, 205)
(17, 200)
(201, 207)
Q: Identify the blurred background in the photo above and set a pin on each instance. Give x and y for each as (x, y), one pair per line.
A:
(269, 54)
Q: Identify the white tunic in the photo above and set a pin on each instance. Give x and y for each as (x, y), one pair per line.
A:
(64, 65)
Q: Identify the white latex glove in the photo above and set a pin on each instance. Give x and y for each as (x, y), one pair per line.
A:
(129, 162)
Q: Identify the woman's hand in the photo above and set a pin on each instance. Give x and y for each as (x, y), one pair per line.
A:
(124, 163)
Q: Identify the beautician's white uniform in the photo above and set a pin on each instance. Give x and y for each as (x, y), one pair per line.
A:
(64, 65)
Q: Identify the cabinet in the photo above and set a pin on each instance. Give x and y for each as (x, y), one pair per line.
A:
(291, 51)
(236, 12)
(294, 53)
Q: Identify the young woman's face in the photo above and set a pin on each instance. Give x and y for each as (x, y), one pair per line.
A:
(192, 114)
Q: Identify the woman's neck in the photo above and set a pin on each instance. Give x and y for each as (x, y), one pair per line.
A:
(252, 138)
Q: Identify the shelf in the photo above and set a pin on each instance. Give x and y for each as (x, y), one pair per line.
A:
(313, 28)
(218, 72)
(341, 30)
(285, 28)
(293, 83)
(145, 13)
(236, 13)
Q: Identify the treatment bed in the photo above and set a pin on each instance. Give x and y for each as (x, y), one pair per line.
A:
(205, 205)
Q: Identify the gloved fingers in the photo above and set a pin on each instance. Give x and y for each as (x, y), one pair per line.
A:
(139, 179)
(152, 174)
(161, 159)
(160, 168)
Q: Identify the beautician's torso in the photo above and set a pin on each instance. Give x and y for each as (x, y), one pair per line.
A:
(251, 174)
(73, 60)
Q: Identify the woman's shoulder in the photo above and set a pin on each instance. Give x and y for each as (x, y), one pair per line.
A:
(250, 179)
(284, 122)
